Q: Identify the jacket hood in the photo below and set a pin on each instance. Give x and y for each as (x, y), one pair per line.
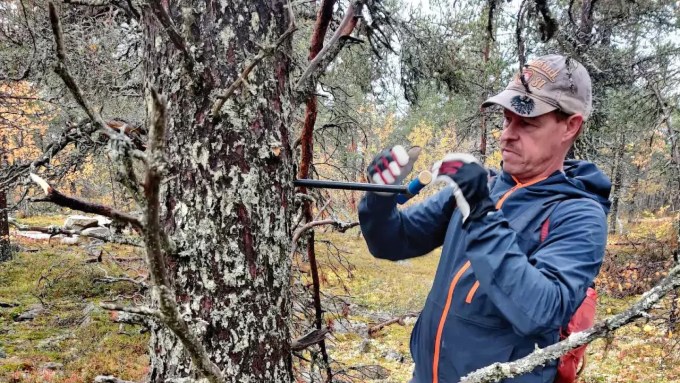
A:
(590, 179)
(583, 179)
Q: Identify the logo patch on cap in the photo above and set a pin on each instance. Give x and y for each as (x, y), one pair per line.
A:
(522, 104)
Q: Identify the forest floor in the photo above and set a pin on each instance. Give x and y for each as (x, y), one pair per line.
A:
(71, 339)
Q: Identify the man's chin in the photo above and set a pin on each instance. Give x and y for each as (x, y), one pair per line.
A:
(510, 167)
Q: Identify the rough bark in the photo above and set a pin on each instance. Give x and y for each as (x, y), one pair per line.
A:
(227, 199)
(5, 246)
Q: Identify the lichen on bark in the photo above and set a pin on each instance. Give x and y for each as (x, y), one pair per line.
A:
(226, 198)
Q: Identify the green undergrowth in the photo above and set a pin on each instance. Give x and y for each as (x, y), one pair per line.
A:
(71, 331)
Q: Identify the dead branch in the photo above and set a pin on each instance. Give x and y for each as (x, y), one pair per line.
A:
(400, 320)
(65, 75)
(264, 52)
(338, 225)
(71, 134)
(164, 19)
(56, 197)
(331, 50)
(141, 310)
(323, 19)
(170, 315)
(500, 371)
(55, 230)
(313, 337)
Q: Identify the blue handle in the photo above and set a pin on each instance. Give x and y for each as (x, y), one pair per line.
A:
(415, 186)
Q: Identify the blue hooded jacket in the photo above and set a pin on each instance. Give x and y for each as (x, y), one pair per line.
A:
(499, 291)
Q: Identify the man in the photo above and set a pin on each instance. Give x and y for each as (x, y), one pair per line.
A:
(519, 254)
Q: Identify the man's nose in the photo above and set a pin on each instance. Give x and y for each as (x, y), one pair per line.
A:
(509, 132)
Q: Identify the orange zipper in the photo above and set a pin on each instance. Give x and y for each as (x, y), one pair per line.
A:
(499, 204)
(442, 320)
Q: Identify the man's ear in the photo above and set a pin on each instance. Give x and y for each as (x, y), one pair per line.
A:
(574, 125)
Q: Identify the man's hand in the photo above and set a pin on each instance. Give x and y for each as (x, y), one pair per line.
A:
(391, 166)
(469, 182)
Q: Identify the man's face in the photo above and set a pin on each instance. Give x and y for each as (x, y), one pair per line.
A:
(533, 146)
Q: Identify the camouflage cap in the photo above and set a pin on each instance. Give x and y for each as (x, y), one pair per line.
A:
(555, 83)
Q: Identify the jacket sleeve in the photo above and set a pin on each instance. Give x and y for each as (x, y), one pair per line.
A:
(541, 295)
(393, 234)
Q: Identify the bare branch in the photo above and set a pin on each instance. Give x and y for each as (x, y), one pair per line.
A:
(65, 75)
(54, 230)
(400, 320)
(332, 49)
(340, 226)
(141, 310)
(313, 337)
(71, 134)
(56, 197)
(264, 52)
(500, 371)
(164, 18)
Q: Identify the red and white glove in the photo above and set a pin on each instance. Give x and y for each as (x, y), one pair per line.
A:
(391, 166)
(469, 181)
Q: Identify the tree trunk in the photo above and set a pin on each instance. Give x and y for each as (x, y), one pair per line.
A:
(618, 181)
(228, 193)
(5, 246)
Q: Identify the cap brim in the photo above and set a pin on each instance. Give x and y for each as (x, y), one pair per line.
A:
(520, 103)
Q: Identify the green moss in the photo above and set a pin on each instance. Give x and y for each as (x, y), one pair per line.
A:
(87, 342)
(43, 220)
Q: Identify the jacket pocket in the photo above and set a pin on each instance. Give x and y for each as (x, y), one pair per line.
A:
(475, 306)
(471, 293)
(460, 361)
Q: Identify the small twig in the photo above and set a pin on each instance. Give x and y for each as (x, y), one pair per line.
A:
(56, 197)
(323, 208)
(164, 18)
(400, 319)
(338, 225)
(264, 52)
(313, 337)
(141, 310)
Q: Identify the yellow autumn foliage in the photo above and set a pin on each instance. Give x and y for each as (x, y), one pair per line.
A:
(22, 123)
